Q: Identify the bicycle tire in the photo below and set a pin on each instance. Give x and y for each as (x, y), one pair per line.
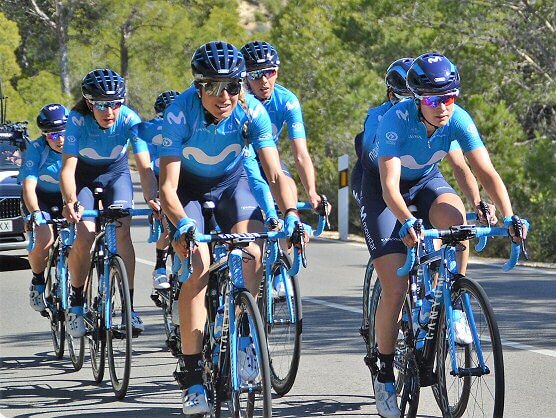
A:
(76, 346)
(52, 292)
(95, 322)
(456, 398)
(119, 355)
(284, 346)
(371, 296)
(257, 401)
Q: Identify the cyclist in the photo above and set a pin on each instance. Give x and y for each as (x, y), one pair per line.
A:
(283, 107)
(204, 132)
(100, 126)
(366, 147)
(412, 138)
(151, 132)
(40, 173)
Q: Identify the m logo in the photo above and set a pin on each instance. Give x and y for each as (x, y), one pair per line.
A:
(173, 119)
(402, 115)
(79, 121)
(434, 59)
(201, 157)
(292, 105)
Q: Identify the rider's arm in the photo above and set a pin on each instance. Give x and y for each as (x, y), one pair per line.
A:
(147, 177)
(169, 178)
(277, 180)
(258, 186)
(69, 187)
(465, 178)
(390, 171)
(30, 195)
(305, 169)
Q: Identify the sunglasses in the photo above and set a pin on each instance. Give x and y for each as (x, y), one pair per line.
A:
(258, 74)
(54, 136)
(215, 88)
(435, 101)
(104, 105)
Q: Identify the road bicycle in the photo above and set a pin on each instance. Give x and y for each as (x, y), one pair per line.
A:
(465, 378)
(232, 317)
(107, 310)
(57, 290)
(280, 306)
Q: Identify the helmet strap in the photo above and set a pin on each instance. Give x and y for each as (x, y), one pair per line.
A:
(422, 117)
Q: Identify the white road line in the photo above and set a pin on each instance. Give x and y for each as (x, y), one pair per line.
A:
(544, 352)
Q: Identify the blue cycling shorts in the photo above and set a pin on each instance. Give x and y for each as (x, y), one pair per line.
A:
(114, 178)
(231, 195)
(47, 200)
(379, 225)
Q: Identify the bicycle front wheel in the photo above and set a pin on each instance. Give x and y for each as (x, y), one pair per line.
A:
(94, 322)
(251, 394)
(120, 334)
(76, 346)
(475, 392)
(284, 330)
(54, 304)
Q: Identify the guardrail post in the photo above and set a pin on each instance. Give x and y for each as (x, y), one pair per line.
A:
(343, 197)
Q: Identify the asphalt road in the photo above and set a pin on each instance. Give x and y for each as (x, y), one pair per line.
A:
(332, 379)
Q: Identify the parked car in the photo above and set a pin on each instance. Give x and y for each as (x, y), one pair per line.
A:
(13, 138)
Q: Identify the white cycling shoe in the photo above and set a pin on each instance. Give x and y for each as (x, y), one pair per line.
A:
(247, 360)
(75, 323)
(36, 297)
(160, 279)
(461, 328)
(137, 323)
(386, 399)
(194, 400)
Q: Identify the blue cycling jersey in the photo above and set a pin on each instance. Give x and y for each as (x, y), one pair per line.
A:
(402, 134)
(151, 132)
(283, 107)
(369, 150)
(42, 164)
(96, 146)
(207, 150)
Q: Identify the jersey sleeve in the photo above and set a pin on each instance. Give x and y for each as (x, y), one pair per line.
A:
(258, 186)
(260, 127)
(32, 158)
(74, 126)
(466, 132)
(174, 129)
(132, 122)
(294, 118)
(389, 134)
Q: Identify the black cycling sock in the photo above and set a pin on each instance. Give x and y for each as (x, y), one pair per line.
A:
(131, 298)
(38, 278)
(76, 296)
(190, 370)
(161, 256)
(386, 372)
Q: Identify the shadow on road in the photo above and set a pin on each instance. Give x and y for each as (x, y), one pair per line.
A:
(13, 263)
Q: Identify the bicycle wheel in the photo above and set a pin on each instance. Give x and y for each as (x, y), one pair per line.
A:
(120, 334)
(475, 393)
(54, 303)
(76, 346)
(405, 364)
(284, 333)
(371, 296)
(252, 398)
(94, 322)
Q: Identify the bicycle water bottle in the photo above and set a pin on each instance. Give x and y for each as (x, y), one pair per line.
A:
(218, 321)
(215, 353)
(424, 316)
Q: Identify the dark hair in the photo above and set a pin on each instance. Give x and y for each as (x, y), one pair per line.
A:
(82, 107)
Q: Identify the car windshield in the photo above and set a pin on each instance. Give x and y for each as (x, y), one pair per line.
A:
(10, 157)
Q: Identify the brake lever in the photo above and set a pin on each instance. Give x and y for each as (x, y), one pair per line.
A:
(518, 228)
(483, 207)
(323, 210)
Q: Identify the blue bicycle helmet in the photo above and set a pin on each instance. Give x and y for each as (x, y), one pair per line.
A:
(432, 74)
(217, 59)
(164, 99)
(396, 75)
(52, 118)
(259, 55)
(103, 84)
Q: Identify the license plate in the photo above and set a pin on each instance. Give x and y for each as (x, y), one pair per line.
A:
(6, 226)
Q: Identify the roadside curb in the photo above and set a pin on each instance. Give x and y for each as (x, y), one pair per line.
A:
(356, 239)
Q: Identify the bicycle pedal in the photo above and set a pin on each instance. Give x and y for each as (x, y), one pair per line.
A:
(45, 314)
(427, 377)
(135, 333)
(155, 297)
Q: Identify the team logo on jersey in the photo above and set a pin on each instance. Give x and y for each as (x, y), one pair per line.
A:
(266, 136)
(29, 164)
(292, 105)
(202, 158)
(127, 118)
(472, 129)
(71, 139)
(174, 119)
(391, 137)
(402, 115)
(167, 142)
(254, 112)
(409, 161)
(297, 126)
(36, 144)
(79, 121)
